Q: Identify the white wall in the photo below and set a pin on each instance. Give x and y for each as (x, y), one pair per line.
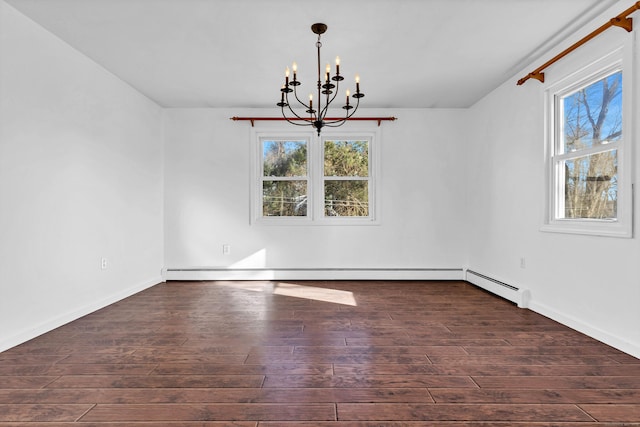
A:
(590, 283)
(81, 161)
(207, 190)
(81, 178)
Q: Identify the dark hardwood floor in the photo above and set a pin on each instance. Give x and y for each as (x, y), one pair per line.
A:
(344, 353)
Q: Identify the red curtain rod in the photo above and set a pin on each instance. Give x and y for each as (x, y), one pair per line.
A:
(619, 21)
(254, 119)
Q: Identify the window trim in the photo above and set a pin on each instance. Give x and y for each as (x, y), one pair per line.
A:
(621, 59)
(315, 176)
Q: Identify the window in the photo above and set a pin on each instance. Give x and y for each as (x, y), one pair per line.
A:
(305, 179)
(285, 180)
(588, 134)
(346, 178)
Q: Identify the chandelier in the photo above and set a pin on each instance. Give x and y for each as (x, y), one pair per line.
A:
(317, 117)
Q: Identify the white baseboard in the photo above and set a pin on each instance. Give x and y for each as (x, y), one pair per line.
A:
(51, 324)
(522, 298)
(587, 329)
(212, 273)
(507, 291)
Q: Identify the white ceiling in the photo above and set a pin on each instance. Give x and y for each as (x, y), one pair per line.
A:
(232, 53)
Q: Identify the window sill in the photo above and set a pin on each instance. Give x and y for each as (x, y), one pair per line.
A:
(333, 221)
(602, 228)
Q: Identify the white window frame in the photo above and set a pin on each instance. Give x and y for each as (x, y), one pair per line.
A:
(620, 59)
(315, 172)
(260, 178)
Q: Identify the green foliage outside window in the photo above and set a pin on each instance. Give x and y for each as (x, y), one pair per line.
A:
(346, 197)
(346, 158)
(286, 178)
(284, 159)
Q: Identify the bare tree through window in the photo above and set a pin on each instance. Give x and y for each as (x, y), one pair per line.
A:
(592, 122)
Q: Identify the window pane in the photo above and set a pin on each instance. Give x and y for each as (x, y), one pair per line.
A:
(284, 198)
(346, 198)
(346, 158)
(591, 186)
(284, 158)
(593, 114)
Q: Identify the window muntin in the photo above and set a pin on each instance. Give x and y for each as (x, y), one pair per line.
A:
(590, 130)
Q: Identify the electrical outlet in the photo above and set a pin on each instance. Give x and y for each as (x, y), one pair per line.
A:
(523, 263)
(226, 249)
(103, 263)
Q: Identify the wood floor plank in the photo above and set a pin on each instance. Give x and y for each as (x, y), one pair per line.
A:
(460, 412)
(138, 424)
(617, 370)
(541, 349)
(336, 381)
(158, 357)
(397, 350)
(101, 369)
(577, 396)
(244, 369)
(613, 413)
(9, 358)
(337, 358)
(215, 395)
(407, 341)
(558, 382)
(408, 354)
(157, 381)
(26, 381)
(211, 412)
(525, 360)
(42, 413)
(438, 423)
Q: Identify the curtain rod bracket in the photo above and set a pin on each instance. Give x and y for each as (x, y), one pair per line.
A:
(626, 23)
(536, 75)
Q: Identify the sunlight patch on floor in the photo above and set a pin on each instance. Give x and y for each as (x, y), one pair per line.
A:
(318, 294)
(335, 296)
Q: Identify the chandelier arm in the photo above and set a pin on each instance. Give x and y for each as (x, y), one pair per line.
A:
(295, 93)
(293, 111)
(305, 122)
(348, 116)
(326, 107)
(335, 124)
(288, 119)
(354, 109)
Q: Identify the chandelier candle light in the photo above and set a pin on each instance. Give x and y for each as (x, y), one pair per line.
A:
(317, 117)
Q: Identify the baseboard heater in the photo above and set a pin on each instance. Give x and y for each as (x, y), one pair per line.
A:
(223, 273)
(509, 292)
